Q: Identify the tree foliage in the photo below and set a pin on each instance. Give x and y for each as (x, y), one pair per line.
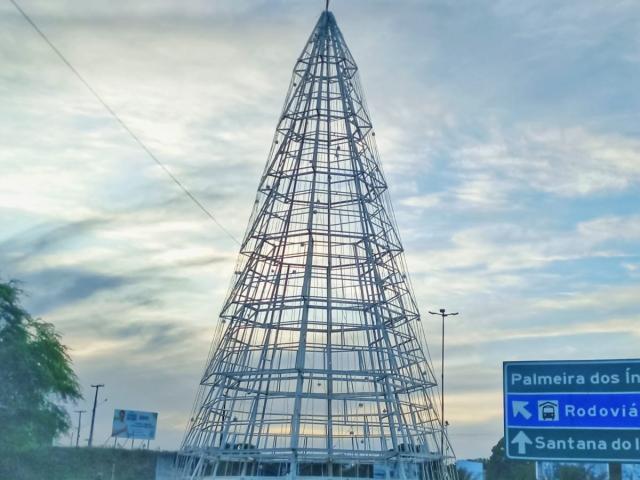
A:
(35, 373)
(501, 468)
(498, 467)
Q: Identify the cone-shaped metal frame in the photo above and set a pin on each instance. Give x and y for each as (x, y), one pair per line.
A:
(316, 369)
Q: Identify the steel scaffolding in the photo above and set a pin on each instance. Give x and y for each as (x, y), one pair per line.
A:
(316, 368)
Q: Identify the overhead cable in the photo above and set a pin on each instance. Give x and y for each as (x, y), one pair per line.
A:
(119, 120)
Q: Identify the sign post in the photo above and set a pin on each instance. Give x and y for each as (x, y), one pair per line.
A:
(574, 411)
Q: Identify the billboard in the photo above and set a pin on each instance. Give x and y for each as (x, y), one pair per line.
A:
(475, 470)
(575, 411)
(584, 471)
(631, 471)
(134, 424)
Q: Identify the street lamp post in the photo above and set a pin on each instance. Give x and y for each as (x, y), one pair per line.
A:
(443, 314)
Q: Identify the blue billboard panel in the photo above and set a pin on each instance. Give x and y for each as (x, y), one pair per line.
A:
(560, 470)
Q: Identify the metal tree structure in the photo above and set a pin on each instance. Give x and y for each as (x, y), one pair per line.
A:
(316, 368)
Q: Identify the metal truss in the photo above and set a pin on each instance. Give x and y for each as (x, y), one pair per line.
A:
(316, 368)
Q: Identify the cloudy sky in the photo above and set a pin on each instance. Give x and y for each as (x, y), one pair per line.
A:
(509, 132)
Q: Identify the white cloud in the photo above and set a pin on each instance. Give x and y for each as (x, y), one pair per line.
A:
(568, 163)
(494, 174)
(512, 247)
(425, 201)
(605, 297)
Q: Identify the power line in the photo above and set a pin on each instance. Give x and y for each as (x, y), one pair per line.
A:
(133, 135)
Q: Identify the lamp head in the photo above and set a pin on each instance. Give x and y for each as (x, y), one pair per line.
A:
(442, 310)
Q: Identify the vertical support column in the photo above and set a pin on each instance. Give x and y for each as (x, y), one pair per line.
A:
(306, 288)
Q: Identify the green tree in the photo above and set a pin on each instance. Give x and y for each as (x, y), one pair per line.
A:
(501, 468)
(35, 373)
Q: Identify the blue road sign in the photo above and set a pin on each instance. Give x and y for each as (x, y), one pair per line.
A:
(572, 410)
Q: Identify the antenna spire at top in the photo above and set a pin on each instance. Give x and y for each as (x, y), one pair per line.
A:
(327, 7)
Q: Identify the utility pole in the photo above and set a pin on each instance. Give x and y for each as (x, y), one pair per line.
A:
(93, 414)
(442, 377)
(79, 412)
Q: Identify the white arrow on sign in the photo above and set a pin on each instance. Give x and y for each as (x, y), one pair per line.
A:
(518, 408)
(521, 439)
